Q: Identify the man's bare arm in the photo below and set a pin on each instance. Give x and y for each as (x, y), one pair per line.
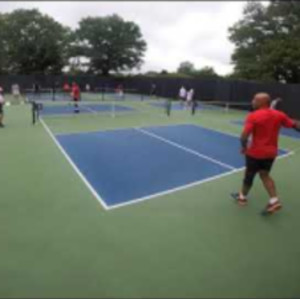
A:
(244, 141)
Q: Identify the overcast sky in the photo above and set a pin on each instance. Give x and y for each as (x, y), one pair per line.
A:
(174, 31)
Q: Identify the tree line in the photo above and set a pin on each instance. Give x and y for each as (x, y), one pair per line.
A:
(31, 42)
(266, 39)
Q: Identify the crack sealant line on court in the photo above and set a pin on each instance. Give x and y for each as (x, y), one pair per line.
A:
(88, 185)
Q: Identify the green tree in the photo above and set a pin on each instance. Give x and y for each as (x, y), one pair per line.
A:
(164, 72)
(186, 68)
(110, 44)
(151, 73)
(3, 50)
(267, 42)
(31, 42)
(205, 72)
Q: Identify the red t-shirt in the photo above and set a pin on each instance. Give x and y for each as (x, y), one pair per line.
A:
(264, 126)
(76, 92)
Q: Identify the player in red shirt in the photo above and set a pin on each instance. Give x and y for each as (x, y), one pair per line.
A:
(263, 126)
(119, 91)
(75, 96)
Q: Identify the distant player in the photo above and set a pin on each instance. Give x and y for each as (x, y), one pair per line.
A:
(75, 96)
(275, 102)
(36, 88)
(2, 101)
(153, 90)
(263, 125)
(87, 87)
(54, 88)
(66, 90)
(168, 105)
(15, 90)
(120, 91)
(189, 97)
(182, 95)
(194, 106)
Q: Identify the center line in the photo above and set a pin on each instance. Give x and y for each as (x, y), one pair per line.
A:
(185, 148)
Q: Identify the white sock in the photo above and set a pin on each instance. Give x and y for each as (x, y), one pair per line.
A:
(242, 196)
(273, 200)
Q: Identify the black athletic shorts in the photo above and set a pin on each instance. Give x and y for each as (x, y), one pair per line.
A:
(254, 165)
(1, 108)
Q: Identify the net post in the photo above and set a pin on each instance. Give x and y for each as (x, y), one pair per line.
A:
(102, 93)
(113, 108)
(33, 112)
(227, 107)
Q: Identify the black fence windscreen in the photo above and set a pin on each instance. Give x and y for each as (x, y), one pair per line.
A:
(205, 89)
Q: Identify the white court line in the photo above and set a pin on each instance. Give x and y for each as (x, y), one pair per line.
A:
(111, 129)
(86, 182)
(138, 200)
(197, 183)
(295, 150)
(185, 149)
(89, 109)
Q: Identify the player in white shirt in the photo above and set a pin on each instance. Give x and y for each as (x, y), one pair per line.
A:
(15, 90)
(182, 95)
(189, 97)
(120, 91)
(275, 102)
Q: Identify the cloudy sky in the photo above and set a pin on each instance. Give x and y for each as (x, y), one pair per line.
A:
(174, 31)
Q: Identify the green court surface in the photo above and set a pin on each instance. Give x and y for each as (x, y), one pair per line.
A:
(58, 242)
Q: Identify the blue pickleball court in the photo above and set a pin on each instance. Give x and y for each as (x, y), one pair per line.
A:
(128, 165)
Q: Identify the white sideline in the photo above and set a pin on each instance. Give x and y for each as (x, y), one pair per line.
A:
(89, 109)
(89, 186)
(185, 149)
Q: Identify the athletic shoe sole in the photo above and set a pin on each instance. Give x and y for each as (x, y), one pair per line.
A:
(271, 210)
(240, 202)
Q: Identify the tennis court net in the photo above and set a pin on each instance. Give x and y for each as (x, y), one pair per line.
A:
(223, 106)
(213, 107)
(46, 94)
(97, 94)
